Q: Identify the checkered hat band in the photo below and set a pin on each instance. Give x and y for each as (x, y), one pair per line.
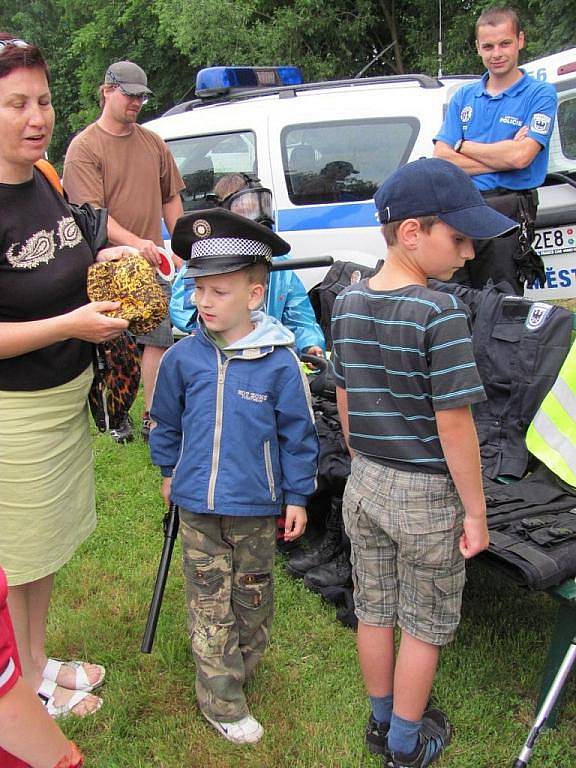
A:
(230, 246)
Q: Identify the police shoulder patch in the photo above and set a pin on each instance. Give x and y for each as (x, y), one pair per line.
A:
(537, 315)
(540, 123)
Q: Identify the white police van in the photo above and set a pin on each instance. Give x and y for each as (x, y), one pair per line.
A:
(556, 222)
(324, 148)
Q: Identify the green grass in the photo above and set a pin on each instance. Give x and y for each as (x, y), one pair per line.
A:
(308, 691)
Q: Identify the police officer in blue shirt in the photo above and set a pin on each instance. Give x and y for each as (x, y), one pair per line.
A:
(498, 131)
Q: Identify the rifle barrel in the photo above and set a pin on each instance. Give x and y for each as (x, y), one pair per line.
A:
(170, 525)
(302, 262)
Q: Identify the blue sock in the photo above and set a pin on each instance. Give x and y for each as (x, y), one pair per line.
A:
(381, 708)
(403, 734)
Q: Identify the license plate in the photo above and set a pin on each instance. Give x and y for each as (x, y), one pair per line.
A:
(557, 240)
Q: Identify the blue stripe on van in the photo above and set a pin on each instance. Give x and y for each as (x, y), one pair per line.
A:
(338, 216)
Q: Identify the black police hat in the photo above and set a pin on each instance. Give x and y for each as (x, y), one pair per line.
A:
(215, 241)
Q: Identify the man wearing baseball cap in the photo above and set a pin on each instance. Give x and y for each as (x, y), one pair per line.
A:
(413, 506)
(235, 441)
(129, 77)
(117, 164)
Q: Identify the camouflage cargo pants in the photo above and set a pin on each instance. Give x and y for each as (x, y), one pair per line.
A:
(228, 564)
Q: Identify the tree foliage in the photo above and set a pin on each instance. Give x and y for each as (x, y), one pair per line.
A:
(173, 39)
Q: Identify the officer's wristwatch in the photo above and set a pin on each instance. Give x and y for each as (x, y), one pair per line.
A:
(458, 145)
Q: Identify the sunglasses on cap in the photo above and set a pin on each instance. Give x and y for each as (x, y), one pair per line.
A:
(14, 43)
(141, 97)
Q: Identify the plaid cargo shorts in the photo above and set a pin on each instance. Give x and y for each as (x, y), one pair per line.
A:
(407, 568)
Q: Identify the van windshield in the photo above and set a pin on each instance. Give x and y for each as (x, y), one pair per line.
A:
(344, 161)
(203, 160)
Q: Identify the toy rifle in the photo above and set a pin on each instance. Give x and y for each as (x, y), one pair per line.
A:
(170, 526)
(301, 262)
(298, 262)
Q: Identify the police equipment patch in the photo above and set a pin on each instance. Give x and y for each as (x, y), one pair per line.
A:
(355, 277)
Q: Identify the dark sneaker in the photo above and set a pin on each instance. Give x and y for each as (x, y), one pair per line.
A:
(124, 433)
(145, 426)
(434, 737)
(376, 739)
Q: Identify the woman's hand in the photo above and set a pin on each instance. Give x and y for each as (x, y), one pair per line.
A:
(115, 253)
(91, 323)
(88, 323)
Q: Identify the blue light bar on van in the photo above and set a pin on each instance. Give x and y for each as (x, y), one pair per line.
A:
(218, 80)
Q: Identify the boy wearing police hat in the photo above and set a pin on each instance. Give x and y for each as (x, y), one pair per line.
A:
(235, 441)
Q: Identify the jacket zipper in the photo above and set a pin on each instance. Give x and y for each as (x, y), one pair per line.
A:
(217, 431)
(269, 472)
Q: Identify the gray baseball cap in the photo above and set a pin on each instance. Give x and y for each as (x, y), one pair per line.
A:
(128, 76)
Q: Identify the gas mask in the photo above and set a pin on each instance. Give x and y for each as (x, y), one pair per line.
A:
(252, 201)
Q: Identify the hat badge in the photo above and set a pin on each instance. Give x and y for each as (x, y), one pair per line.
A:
(201, 228)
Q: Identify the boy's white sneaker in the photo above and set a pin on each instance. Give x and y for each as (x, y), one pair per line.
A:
(245, 731)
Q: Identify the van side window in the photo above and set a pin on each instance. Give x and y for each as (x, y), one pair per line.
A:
(203, 160)
(567, 129)
(344, 161)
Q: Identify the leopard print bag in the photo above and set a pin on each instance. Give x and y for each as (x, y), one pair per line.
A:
(132, 282)
(116, 381)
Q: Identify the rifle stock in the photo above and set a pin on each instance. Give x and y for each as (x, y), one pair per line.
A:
(170, 526)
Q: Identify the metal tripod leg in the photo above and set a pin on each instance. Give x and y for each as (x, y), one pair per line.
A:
(564, 631)
(548, 705)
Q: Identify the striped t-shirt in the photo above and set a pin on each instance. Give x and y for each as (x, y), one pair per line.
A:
(401, 355)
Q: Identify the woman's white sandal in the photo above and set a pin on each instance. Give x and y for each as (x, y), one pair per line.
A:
(81, 681)
(46, 694)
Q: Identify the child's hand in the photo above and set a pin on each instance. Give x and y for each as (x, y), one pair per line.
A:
(475, 538)
(295, 524)
(314, 352)
(166, 489)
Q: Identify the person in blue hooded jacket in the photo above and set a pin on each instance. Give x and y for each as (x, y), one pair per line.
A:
(286, 298)
(234, 438)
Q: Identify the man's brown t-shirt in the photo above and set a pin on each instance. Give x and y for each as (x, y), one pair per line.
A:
(133, 176)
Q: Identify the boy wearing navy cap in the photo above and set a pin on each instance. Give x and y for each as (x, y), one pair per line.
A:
(414, 507)
(235, 441)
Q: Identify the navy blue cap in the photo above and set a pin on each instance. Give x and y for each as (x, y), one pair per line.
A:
(434, 187)
(216, 241)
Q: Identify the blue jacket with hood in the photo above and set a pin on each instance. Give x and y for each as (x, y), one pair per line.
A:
(286, 300)
(235, 430)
